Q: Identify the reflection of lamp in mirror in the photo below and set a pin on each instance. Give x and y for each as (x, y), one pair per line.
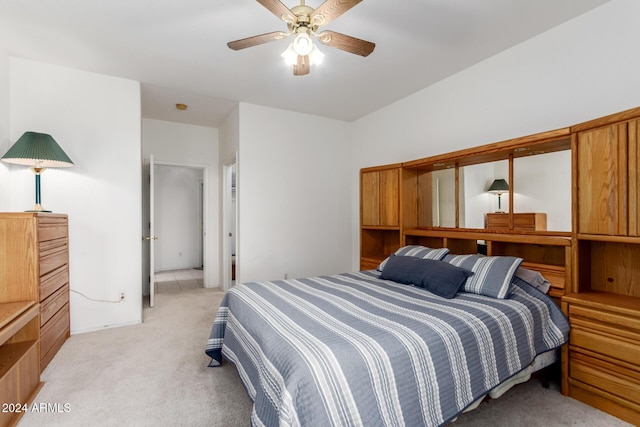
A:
(498, 187)
(40, 151)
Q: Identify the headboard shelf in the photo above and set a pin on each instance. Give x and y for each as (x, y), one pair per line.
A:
(542, 238)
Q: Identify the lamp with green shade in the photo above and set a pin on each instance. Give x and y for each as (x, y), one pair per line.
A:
(39, 151)
(498, 187)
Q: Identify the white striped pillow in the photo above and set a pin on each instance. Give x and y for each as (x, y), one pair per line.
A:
(418, 251)
(492, 274)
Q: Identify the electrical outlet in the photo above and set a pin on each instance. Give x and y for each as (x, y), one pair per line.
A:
(122, 296)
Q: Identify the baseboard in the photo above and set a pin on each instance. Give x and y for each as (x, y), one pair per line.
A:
(101, 328)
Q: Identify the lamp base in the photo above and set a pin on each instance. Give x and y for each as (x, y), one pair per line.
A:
(38, 208)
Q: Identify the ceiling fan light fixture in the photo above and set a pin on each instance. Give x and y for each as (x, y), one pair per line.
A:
(302, 23)
(302, 44)
(290, 56)
(316, 56)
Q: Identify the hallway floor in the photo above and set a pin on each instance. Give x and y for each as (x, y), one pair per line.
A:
(176, 281)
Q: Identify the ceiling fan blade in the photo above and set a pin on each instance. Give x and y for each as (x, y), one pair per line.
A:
(280, 10)
(330, 10)
(346, 43)
(256, 40)
(302, 67)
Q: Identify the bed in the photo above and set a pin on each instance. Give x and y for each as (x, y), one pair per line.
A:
(359, 349)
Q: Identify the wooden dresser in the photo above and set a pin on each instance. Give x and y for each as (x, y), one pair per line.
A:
(19, 362)
(532, 221)
(34, 266)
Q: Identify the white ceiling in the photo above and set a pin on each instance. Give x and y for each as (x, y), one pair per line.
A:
(177, 49)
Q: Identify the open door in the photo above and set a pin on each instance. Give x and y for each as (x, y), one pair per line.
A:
(229, 217)
(151, 237)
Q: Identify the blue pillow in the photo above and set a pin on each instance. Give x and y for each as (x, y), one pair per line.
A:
(438, 277)
(417, 251)
(493, 274)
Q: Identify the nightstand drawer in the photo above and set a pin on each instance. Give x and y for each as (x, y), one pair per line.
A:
(605, 320)
(618, 347)
(609, 377)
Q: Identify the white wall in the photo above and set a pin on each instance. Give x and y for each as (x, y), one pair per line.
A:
(230, 136)
(583, 69)
(293, 194)
(5, 142)
(178, 217)
(229, 162)
(188, 145)
(96, 121)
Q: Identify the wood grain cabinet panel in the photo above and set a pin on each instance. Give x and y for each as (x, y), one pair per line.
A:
(370, 198)
(607, 179)
(390, 198)
(634, 177)
(34, 248)
(380, 198)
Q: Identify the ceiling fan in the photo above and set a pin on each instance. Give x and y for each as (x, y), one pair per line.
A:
(303, 22)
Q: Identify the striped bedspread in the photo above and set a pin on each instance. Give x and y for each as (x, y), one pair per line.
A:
(353, 350)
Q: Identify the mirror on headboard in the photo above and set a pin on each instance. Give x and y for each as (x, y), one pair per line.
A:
(475, 201)
(542, 184)
(453, 191)
(443, 193)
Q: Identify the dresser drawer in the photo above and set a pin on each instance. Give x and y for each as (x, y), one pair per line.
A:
(52, 281)
(524, 222)
(521, 221)
(497, 220)
(53, 335)
(53, 258)
(609, 377)
(50, 306)
(52, 230)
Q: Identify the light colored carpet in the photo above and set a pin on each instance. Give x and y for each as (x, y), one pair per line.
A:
(152, 374)
(156, 374)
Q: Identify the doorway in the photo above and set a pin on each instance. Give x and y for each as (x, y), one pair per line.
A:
(178, 220)
(176, 203)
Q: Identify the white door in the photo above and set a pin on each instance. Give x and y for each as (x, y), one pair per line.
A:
(152, 236)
